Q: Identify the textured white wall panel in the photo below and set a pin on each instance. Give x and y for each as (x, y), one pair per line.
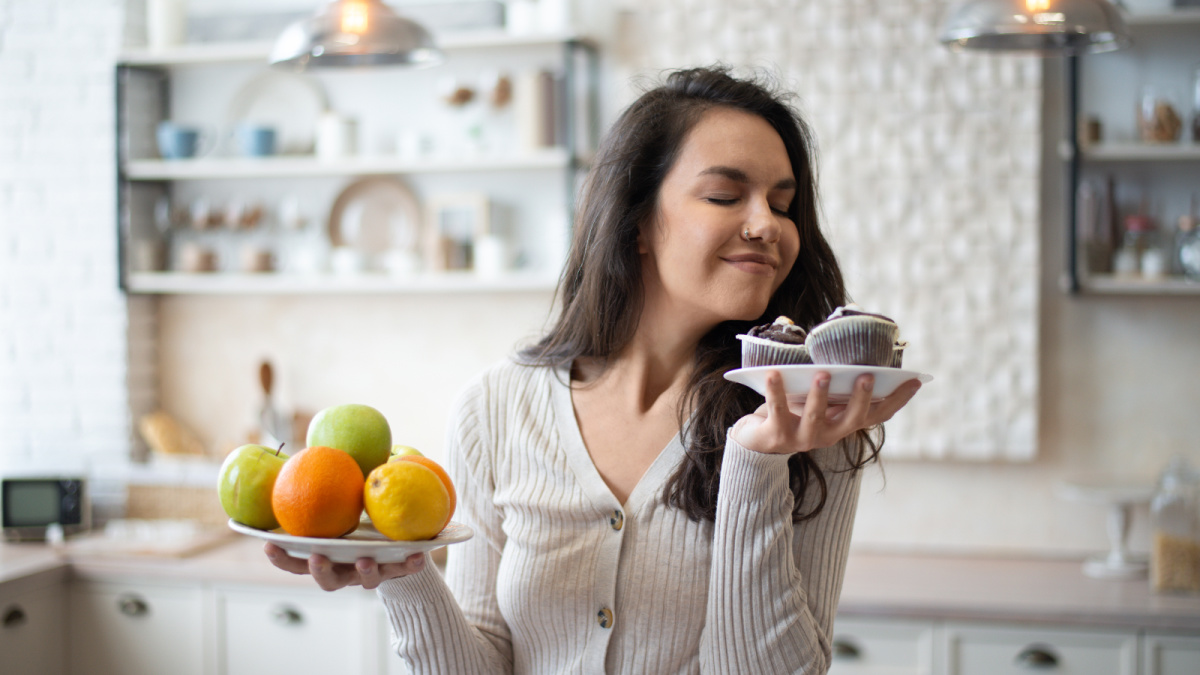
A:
(929, 168)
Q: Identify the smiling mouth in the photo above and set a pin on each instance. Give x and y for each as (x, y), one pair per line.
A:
(753, 263)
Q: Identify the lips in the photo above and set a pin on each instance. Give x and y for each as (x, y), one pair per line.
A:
(755, 263)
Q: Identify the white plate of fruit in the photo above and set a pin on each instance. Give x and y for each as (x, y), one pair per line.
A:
(349, 494)
(364, 542)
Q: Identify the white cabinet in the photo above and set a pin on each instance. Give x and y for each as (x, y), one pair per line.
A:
(882, 647)
(996, 649)
(137, 628)
(1167, 654)
(32, 638)
(293, 630)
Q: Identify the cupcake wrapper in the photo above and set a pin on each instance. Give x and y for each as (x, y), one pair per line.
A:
(897, 356)
(760, 352)
(854, 340)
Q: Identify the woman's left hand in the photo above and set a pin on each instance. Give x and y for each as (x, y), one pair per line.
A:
(780, 428)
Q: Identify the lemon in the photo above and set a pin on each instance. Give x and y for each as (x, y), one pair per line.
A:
(406, 501)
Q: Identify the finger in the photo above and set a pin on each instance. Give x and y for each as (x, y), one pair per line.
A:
(329, 576)
(883, 411)
(855, 414)
(777, 403)
(368, 573)
(411, 565)
(280, 558)
(812, 420)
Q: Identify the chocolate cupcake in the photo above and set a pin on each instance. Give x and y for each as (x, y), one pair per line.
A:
(851, 336)
(774, 344)
(898, 353)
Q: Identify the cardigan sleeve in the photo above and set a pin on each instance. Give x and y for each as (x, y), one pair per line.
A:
(774, 585)
(431, 630)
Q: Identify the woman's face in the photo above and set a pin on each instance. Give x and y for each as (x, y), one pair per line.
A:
(721, 241)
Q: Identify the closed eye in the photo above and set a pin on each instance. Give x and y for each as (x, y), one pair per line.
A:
(720, 201)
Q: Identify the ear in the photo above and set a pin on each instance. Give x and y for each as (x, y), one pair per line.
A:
(643, 235)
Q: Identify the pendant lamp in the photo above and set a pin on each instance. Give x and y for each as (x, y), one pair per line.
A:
(354, 33)
(1046, 27)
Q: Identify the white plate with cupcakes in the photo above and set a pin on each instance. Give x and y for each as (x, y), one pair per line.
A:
(849, 343)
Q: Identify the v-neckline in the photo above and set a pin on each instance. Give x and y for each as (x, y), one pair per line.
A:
(580, 460)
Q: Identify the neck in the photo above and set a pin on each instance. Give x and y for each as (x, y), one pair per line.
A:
(655, 366)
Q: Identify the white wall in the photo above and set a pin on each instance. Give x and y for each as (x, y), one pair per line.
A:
(1116, 392)
(63, 321)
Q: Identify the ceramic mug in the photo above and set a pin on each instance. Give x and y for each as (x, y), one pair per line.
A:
(255, 140)
(178, 141)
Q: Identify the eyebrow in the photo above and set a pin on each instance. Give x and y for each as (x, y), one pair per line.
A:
(741, 177)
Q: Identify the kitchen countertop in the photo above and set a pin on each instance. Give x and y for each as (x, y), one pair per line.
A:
(878, 585)
(1006, 589)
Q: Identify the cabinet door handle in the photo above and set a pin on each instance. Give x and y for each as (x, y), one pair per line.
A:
(132, 605)
(14, 616)
(287, 616)
(845, 650)
(1037, 657)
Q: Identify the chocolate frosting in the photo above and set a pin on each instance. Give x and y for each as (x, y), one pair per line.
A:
(782, 330)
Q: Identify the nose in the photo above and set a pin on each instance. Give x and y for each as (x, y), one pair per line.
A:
(762, 223)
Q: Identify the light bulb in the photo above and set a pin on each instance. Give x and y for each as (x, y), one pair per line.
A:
(354, 17)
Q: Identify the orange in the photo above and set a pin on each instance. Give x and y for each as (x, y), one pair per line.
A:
(407, 501)
(441, 473)
(319, 493)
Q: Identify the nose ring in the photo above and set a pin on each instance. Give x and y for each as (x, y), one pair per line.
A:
(746, 234)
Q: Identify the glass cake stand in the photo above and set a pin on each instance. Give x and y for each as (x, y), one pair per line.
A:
(1119, 498)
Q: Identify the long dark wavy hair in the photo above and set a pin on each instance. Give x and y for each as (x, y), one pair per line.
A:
(601, 291)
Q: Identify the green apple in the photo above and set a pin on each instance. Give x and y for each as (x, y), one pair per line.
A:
(358, 430)
(245, 483)
(403, 451)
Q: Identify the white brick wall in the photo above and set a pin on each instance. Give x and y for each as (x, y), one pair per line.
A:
(930, 169)
(63, 349)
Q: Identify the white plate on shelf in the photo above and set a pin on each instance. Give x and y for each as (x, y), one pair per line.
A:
(797, 380)
(365, 542)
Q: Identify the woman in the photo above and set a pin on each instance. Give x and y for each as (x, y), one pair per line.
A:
(633, 511)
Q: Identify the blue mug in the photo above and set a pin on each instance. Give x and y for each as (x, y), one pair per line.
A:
(255, 140)
(176, 141)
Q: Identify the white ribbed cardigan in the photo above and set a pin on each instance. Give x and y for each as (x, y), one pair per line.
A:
(750, 593)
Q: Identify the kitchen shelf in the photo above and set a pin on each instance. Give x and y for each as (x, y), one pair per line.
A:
(1158, 178)
(1181, 15)
(1142, 152)
(1107, 284)
(220, 283)
(239, 52)
(301, 166)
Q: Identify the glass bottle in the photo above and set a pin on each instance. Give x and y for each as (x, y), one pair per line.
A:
(1137, 239)
(1175, 527)
(1186, 252)
(1196, 106)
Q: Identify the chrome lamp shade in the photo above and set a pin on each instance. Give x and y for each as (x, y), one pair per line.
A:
(354, 33)
(1044, 27)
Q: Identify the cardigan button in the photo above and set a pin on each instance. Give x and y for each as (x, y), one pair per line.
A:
(605, 618)
(617, 520)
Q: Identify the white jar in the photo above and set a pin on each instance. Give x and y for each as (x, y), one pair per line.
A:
(337, 136)
(165, 23)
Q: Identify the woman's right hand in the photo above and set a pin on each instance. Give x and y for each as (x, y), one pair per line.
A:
(331, 576)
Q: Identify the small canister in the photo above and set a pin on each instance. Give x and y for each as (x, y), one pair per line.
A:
(1175, 526)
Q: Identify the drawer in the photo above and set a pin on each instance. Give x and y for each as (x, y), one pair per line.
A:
(1005, 649)
(298, 631)
(136, 628)
(882, 647)
(1166, 654)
